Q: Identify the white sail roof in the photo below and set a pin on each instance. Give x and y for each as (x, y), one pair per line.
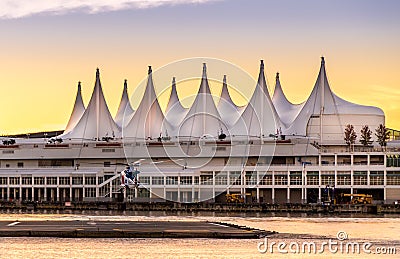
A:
(96, 122)
(125, 110)
(286, 110)
(175, 112)
(226, 107)
(323, 100)
(202, 119)
(77, 111)
(148, 121)
(259, 118)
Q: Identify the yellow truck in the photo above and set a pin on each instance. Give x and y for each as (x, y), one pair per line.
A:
(236, 197)
(359, 198)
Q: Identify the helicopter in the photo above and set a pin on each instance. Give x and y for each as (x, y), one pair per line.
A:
(129, 176)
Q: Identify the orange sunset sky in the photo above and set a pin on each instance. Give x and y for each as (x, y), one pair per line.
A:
(46, 50)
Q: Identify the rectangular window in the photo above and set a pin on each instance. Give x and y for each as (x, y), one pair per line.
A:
(26, 180)
(3, 180)
(157, 180)
(313, 178)
(38, 180)
(90, 192)
(64, 181)
(20, 164)
(186, 180)
(234, 178)
(77, 180)
(206, 179)
(100, 179)
(343, 178)
(328, 179)
(251, 178)
(221, 178)
(171, 180)
(266, 180)
(393, 178)
(108, 150)
(295, 178)
(144, 179)
(360, 178)
(376, 178)
(51, 180)
(14, 180)
(90, 180)
(56, 162)
(107, 164)
(281, 180)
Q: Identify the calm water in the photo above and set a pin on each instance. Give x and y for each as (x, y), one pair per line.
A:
(378, 231)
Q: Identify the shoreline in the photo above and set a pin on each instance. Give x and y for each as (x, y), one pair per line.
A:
(369, 209)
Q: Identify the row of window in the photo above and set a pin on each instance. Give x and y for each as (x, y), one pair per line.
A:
(78, 180)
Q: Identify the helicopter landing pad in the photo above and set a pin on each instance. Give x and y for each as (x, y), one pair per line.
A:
(126, 229)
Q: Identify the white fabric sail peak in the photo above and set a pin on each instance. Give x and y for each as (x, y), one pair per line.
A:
(125, 110)
(203, 119)
(324, 114)
(286, 110)
(96, 122)
(77, 111)
(259, 118)
(226, 107)
(148, 121)
(175, 112)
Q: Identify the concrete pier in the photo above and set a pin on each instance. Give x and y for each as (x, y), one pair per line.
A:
(127, 229)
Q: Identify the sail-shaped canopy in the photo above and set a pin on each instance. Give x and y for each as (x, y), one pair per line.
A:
(286, 110)
(226, 107)
(125, 110)
(148, 121)
(175, 112)
(77, 111)
(334, 112)
(203, 119)
(259, 118)
(96, 122)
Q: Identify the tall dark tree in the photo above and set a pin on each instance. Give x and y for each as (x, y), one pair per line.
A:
(350, 135)
(366, 136)
(382, 135)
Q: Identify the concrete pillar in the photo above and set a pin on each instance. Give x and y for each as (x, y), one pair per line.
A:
(319, 195)
(273, 194)
(305, 195)
(97, 187)
(384, 195)
(335, 159)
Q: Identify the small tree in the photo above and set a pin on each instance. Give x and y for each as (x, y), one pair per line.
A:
(366, 136)
(350, 135)
(382, 135)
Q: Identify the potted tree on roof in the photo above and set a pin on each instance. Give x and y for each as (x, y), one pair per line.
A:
(366, 136)
(350, 136)
(382, 135)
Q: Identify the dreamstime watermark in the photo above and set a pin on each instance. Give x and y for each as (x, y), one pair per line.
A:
(340, 245)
